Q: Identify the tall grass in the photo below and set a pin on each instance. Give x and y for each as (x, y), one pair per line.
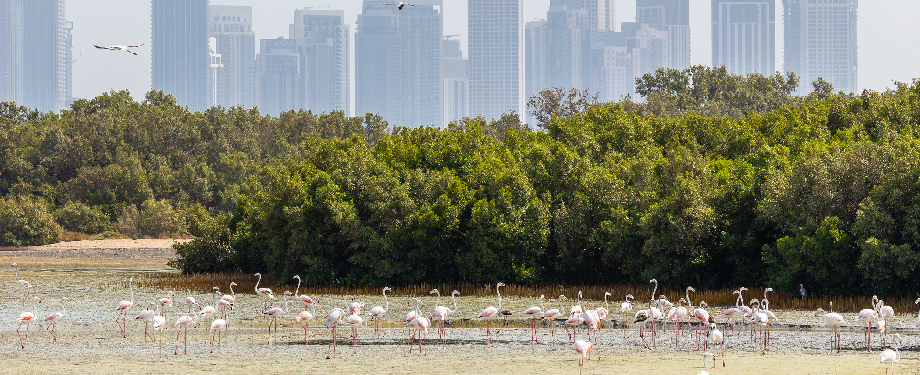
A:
(203, 283)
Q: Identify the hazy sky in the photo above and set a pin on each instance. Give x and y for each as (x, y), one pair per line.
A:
(887, 50)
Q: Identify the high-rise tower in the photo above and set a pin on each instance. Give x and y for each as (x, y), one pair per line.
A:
(180, 50)
(323, 42)
(672, 16)
(496, 57)
(398, 62)
(35, 53)
(231, 27)
(820, 41)
(11, 29)
(743, 35)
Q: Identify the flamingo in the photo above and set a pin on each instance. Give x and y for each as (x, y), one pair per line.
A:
(574, 321)
(680, 312)
(552, 314)
(716, 336)
(654, 313)
(626, 307)
(400, 5)
(217, 325)
(159, 321)
(52, 319)
(207, 311)
(232, 296)
(533, 312)
(441, 313)
(885, 312)
(183, 321)
(307, 300)
(226, 305)
(421, 325)
(146, 315)
(166, 302)
(190, 301)
(592, 320)
(889, 356)
(333, 318)
(274, 312)
(707, 354)
(119, 48)
(305, 316)
(834, 320)
(354, 307)
(490, 312)
(576, 309)
(917, 302)
(24, 283)
(26, 318)
(354, 321)
(867, 316)
(602, 312)
(265, 293)
(584, 348)
(122, 309)
(702, 316)
(410, 316)
(642, 316)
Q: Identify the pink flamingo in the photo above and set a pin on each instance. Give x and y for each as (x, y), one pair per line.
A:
(307, 300)
(592, 320)
(584, 348)
(265, 293)
(305, 317)
(159, 322)
(52, 319)
(377, 312)
(24, 283)
(626, 307)
(26, 318)
(190, 301)
(274, 312)
(441, 313)
(166, 302)
(491, 312)
(183, 321)
(702, 316)
(677, 315)
(332, 320)
(552, 314)
(217, 325)
(834, 320)
(533, 312)
(354, 321)
(421, 324)
(868, 316)
(122, 310)
(208, 311)
(146, 315)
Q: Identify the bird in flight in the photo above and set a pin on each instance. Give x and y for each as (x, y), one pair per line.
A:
(119, 48)
(400, 5)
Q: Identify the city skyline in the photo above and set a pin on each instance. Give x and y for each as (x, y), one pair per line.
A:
(120, 77)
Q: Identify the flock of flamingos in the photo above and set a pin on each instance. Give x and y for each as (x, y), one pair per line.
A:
(755, 315)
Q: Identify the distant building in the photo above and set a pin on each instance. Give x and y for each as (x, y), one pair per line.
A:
(568, 47)
(535, 50)
(454, 82)
(601, 14)
(618, 58)
(820, 41)
(672, 16)
(496, 57)
(323, 43)
(180, 50)
(398, 62)
(235, 42)
(35, 53)
(279, 75)
(215, 70)
(743, 35)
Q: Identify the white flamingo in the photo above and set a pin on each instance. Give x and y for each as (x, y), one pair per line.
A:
(707, 354)
(626, 307)
(119, 48)
(217, 325)
(867, 316)
(584, 349)
(552, 314)
(122, 309)
(441, 313)
(489, 313)
(889, 356)
(533, 312)
(146, 315)
(333, 318)
(265, 293)
(421, 324)
(834, 320)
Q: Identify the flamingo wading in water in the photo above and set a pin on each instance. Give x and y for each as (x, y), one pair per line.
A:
(489, 313)
(26, 318)
(834, 320)
(52, 319)
(122, 310)
(552, 314)
(533, 312)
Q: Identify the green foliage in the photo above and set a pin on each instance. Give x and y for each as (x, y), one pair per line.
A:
(153, 219)
(78, 217)
(26, 221)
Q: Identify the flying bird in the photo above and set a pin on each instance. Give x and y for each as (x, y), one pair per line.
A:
(400, 5)
(119, 48)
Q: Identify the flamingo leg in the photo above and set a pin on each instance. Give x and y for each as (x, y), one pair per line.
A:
(176, 352)
(354, 335)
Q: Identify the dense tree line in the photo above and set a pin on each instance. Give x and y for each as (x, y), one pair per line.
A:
(822, 190)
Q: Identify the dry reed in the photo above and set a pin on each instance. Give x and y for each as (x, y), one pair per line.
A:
(722, 297)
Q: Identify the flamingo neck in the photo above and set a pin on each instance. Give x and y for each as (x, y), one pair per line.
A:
(131, 285)
(654, 290)
(499, 298)
(437, 300)
(297, 291)
(455, 302)
(257, 283)
(232, 293)
(386, 300)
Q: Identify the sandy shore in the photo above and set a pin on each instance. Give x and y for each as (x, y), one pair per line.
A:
(93, 274)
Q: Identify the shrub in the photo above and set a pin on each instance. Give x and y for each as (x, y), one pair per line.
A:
(78, 217)
(26, 221)
(155, 218)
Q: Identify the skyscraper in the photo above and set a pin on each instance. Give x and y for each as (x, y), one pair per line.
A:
(454, 82)
(568, 45)
(279, 83)
(398, 62)
(231, 27)
(535, 51)
(496, 57)
(820, 41)
(323, 42)
(672, 16)
(600, 16)
(180, 50)
(35, 51)
(743, 35)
